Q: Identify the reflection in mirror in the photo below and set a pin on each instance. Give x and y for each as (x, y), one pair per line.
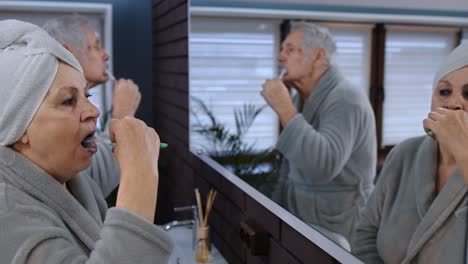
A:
(313, 153)
(229, 61)
(418, 213)
(328, 139)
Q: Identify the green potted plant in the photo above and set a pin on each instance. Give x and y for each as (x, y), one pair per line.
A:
(230, 149)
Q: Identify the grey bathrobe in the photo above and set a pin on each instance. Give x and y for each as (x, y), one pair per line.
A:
(405, 221)
(330, 155)
(42, 222)
(104, 169)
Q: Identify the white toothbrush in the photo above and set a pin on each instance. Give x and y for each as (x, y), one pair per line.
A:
(111, 76)
(283, 72)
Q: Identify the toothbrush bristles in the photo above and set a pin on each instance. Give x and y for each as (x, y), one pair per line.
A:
(283, 72)
(102, 140)
(111, 76)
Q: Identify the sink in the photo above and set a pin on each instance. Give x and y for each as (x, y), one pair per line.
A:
(183, 252)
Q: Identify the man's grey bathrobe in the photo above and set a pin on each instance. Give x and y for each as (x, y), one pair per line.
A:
(104, 169)
(330, 155)
(405, 221)
(42, 222)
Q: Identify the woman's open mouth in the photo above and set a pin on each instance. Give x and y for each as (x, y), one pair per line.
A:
(89, 143)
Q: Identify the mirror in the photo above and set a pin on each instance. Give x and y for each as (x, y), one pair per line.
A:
(98, 17)
(233, 52)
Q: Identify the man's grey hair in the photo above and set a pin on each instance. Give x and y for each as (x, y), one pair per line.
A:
(68, 29)
(316, 37)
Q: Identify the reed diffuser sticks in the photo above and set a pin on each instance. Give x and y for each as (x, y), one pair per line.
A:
(203, 253)
(209, 204)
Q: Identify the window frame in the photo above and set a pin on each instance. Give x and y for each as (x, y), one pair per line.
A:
(306, 231)
(376, 89)
(276, 23)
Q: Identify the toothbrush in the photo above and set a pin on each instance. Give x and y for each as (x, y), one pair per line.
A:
(111, 76)
(283, 72)
(107, 141)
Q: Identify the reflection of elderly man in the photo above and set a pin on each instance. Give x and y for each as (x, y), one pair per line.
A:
(418, 211)
(79, 38)
(48, 212)
(328, 141)
(76, 36)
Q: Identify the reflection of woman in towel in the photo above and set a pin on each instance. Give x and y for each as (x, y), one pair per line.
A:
(49, 213)
(417, 213)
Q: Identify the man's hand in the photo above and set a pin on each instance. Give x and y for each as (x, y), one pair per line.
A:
(277, 96)
(126, 98)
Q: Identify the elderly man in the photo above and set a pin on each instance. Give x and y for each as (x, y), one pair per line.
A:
(328, 141)
(75, 34)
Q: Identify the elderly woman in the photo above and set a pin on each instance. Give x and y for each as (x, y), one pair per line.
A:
(49, 213)
(417, 213)
(328, 141)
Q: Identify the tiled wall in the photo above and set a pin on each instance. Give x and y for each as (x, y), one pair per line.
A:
(181, 171)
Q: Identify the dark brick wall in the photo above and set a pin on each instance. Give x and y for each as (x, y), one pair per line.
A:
(170, 104)
(181, 171)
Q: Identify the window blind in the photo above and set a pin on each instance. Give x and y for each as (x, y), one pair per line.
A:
(412, 56)
(229, 61)
(353, 49)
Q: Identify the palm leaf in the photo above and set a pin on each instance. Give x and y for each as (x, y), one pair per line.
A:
(225, 143)
(245, 116)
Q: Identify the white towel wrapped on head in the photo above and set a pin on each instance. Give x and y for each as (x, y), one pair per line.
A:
(29, 60)
(457, 59)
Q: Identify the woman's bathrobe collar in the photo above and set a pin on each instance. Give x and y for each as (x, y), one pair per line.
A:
(68, 221)
(404, 221)
(433, 210)
(80, 213)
